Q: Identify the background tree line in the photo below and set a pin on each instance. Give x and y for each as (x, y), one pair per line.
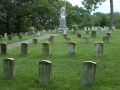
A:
(18, 15)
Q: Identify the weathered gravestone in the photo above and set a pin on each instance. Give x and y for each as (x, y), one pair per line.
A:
(24, 48)
(88, 73)
(51, 36)
(20, 36)
(105, 39)
(85, 39)
(98, 49)
(108, 34)
(9, 37)
(98, 30)
(93, 34)
(79, 35)
(5, 35)
(35, 41)
(4, 48)
(46, 48)
(64, 36)
(8, 68)
(51, 40)
(68, 40)
(87, 32)
(45, 70)
(71, 48)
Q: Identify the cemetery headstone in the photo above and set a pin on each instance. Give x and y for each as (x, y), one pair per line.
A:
(51, 40)
(4, 48)
(35, 41)
(98, 49)
(24, 48)
(20, 36)
(68, 39)
(9, 37)
(86, 39)
(79, 35)
(98, 30)
(5, 35)
(93, 34)
(88, 73)
(109, 34)
(8, 68)
(45, 70)
(105, 39)
(71, 48)
(64, 36)
(46, 48)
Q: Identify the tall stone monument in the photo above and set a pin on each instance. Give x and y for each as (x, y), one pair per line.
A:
(62, 20)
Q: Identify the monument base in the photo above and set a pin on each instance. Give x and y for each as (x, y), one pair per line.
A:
(61, 29)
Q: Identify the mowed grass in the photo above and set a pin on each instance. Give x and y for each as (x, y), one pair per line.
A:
(66, 69)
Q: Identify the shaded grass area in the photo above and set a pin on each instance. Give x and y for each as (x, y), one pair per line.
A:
(66, 69)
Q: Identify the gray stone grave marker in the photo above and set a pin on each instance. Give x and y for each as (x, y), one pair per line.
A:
(105, 39)
(98, 49)
(71, 48)
(93, 34)
(4, 48)
(51, 40)
(88, 73)
(46, 48)
(24, 48)
(45, 70)
(68, 40)
(85, 39)
(8, 68)
(108, 34)
(1, 38)
(35, 41)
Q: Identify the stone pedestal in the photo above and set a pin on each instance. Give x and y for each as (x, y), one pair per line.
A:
(45, 70)
(8, 67)
(88, 73)
(4, 48)
(98, 49)
(62, 25)
(24, 48)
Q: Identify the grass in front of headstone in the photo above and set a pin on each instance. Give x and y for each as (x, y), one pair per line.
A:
(66, 69)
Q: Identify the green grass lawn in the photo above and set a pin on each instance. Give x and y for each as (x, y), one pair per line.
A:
(66, 69)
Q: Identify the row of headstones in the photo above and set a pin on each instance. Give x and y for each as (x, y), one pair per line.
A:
(46, 47)
(95, 28)
(45, 71)
(24, 46)
(98, 46)
(93, 35)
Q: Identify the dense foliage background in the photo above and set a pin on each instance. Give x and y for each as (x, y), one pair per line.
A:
(18, 15)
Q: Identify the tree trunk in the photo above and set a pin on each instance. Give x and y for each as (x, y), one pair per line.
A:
(111, 14)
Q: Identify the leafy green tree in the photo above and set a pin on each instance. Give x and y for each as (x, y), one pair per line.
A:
(92, 5)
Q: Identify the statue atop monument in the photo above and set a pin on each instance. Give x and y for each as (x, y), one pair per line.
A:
(62, 20)
(62, 11)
